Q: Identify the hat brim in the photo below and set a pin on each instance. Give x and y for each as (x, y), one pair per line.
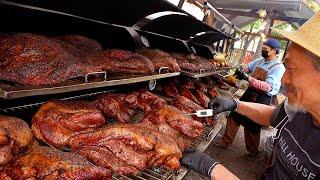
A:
(301, 39)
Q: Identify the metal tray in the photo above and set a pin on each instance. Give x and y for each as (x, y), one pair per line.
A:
(12, 94)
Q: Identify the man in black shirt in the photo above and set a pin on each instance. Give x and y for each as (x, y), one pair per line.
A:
(296, 152)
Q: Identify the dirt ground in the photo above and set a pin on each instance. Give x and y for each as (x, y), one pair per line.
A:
(234, 157)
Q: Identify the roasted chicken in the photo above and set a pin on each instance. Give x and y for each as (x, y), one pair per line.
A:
(57, 121)
(43, 162)
(15, 137)
(127, 148)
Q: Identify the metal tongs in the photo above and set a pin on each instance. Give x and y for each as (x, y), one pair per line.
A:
(203, 113)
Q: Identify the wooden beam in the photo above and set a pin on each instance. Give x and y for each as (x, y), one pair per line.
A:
(271, 25)
(287, 5)
(232, 17)
(268, 36)
(275, 16)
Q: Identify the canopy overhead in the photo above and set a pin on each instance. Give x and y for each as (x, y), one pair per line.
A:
(242, 12)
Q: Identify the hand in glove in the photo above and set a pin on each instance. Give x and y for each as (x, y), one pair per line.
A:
(198, 162)
(241, 75)
(220, 104)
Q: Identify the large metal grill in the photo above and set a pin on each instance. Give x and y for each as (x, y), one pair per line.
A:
(156, 173)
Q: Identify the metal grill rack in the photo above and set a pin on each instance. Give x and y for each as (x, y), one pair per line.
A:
(33, 106)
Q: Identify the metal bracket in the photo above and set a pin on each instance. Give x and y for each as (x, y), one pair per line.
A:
(192, 56)
(224, 74)
(95, 73)
(145, 41)
(152, 84)
(202, 71)
(163, 68)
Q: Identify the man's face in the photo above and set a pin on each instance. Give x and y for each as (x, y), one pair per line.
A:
(269, 49)
(301, 79)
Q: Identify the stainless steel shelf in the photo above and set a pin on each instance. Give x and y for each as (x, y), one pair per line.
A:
(12, 94)
(199, 75)
(221, 71)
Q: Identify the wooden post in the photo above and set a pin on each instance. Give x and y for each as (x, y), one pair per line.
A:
(181, 2)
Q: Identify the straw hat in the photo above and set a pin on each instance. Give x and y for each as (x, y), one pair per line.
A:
(307, 36)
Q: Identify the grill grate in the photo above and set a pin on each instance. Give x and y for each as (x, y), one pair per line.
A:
(37, 105)
(148, 174)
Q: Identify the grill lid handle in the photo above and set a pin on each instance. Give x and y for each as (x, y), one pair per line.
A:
(104, 73)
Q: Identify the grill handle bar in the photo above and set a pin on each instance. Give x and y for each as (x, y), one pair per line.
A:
(95, 73)
(202, 71)
(162, 69)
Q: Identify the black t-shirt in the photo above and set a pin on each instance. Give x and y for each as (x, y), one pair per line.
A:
(296, 153)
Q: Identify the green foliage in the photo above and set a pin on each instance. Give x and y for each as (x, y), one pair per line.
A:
(256, 24)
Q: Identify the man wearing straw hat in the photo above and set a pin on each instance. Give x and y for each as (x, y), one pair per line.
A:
(296, 150)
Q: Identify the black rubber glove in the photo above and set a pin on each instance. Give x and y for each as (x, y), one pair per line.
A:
(198, 162)
(241, 75)
(220, 104)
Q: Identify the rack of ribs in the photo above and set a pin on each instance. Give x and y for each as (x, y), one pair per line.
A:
(187, 106)
(29, 59)
(34, 60)
(192, 63)
(148, 101)
(212, 92)
(170, 88)
(57, 121)
(160, 59)
(177, 120)
(120, 107)
(116, 61)
(202, 98)
(188, 94)
(15, 137)
(127, 148)
(80, 42)
(43, 162)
